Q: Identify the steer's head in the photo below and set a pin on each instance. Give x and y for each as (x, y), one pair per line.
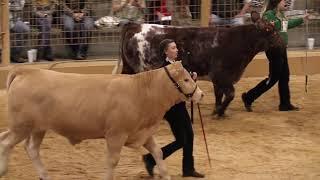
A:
(267, 31)
(183, 82)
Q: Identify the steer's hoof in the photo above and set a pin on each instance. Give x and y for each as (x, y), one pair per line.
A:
(221, 114)
(148, 164)
(222, 117)
(218, 111)
(166, 178)
(45, 178)
(214, 112)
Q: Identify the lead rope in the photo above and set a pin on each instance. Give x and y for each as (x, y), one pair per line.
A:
(306, 59)
(204, 136)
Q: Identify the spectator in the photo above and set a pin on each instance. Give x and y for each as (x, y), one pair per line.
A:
(228, 12)
(19, 29)
(150, 15)
(259, 5)
(77, 27)
(163, 15)
(179, 121)
(195, 8)
(278, 59)
(182, 15)
(43, 10)
(129, 9)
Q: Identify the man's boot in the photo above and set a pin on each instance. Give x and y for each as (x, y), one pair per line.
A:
(73, 51)
(83, 50)
(40, 53)
(79, 56)
(47, 54)
(188, 168)
(15, 55)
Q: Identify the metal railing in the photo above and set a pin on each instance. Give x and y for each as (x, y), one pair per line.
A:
(65, 37)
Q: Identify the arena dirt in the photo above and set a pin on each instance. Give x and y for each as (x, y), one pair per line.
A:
(264, 144)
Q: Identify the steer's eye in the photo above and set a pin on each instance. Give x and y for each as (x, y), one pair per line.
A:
(186, 80)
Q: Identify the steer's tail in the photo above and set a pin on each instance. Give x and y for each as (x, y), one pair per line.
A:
(128, 28)
(123, 25)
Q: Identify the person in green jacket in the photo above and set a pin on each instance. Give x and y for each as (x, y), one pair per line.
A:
(278, 61)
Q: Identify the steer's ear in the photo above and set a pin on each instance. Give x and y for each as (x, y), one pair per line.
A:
(255, 16)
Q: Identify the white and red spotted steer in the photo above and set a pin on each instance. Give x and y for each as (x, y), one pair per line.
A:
(220, 53)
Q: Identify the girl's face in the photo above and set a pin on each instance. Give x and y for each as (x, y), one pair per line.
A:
(282, 5)
(171, 51)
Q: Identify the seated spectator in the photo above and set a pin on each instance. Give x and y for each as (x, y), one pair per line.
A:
(181, 15)
(195, 9)
(163, 15)
(259, 5)
(289, 5)
(77, 27)
(129, 9)
(150, 15)
(43, 10)
(228, 12)
(19, 29)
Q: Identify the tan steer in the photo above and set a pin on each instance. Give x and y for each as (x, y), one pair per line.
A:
(124, 109)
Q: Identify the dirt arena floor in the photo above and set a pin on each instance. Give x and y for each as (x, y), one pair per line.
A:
(262, 145)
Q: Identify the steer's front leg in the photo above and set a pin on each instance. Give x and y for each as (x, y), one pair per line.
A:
(156, 152)
(229, 96)
(114, 146)
(218, 93)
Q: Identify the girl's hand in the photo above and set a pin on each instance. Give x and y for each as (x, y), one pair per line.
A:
(306, 17)
(194, 75)
(135, 3)
(272, 23)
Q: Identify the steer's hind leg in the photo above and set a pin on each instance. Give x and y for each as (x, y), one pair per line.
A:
(32, 146)
(3, 153)
(218, 93)
(8, 140)
(229, 96)
(114, 146)
(156, 152)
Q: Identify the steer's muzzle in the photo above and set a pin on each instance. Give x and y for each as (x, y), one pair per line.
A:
(197, 95)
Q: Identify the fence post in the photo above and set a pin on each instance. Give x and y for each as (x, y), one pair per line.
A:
(5, 34)
(205, 13)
